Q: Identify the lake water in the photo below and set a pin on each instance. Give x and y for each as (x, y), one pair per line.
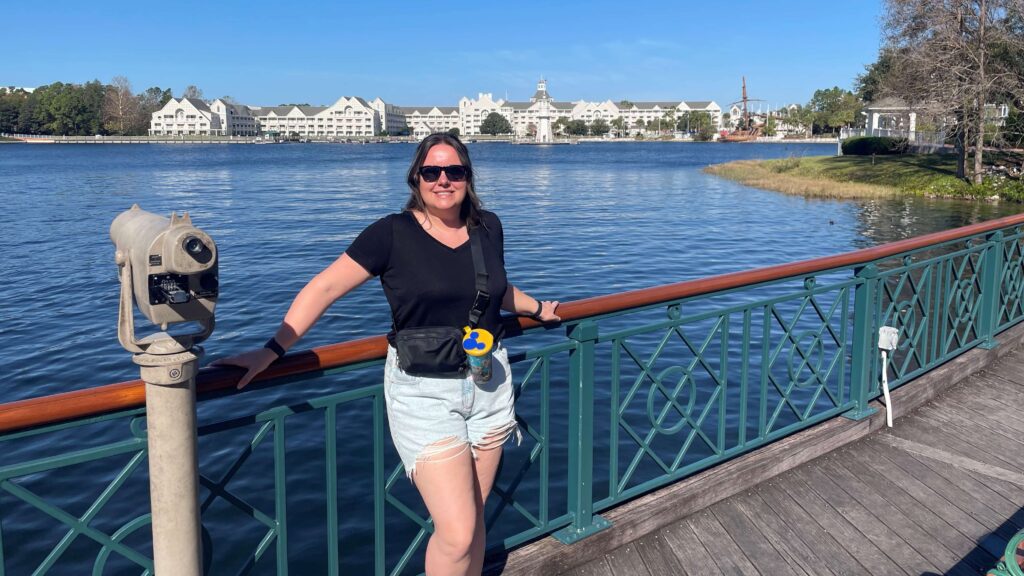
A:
(579, 221)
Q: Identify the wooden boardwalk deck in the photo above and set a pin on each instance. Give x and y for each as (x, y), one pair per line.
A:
(940, 493)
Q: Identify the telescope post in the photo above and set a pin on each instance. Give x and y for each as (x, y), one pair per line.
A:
(169, 371)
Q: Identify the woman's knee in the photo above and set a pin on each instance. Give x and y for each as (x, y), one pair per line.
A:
(456, 541)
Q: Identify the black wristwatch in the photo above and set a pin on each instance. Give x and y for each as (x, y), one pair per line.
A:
(274, 347)
(536, 314)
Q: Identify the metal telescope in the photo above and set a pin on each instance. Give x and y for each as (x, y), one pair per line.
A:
(169, 268)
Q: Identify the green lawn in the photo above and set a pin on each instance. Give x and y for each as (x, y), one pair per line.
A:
(864, 176)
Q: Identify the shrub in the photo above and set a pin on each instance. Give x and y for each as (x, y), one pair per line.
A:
(868, 145)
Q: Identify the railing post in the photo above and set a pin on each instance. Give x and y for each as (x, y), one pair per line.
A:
(863, 353)
(581, 436)
(991, 281)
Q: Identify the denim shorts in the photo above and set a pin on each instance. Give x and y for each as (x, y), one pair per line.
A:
(431, 417)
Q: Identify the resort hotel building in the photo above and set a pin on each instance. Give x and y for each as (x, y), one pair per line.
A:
(352, 116)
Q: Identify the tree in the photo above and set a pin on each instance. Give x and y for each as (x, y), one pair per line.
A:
(947, 65)
(67, 109)
(454, 132)
(619, 123)
(495, 124)
(599, 127)
(531, 130)
(872, 84)
(667, 121)
(769, 127)
(577, 128)
(121, 109)
(560, 124)
(11, 102)
(192, 91)
(640, 124)
(833, 108)
(696, 123)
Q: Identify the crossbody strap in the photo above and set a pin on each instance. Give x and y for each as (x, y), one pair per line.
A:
(483, 297)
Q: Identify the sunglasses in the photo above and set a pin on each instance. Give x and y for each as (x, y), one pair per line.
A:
(455, 172)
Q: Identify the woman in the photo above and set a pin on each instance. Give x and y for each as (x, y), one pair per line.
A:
(448, 430)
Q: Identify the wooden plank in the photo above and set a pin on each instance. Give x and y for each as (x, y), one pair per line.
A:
(924, 496)
(1001, 381)
(966, 523)
(598, 567)
(936, 526)
(688, 550)
(981, 487)
(825, 547)
(1004, 370)
(984, 410)
(754, 545)
(909, 531)
(984, 429)
(626, 561)
(724, 551)
(942, 487)
(1006, 382)
(779, 534)
(871, 526)
(832, 521)
(659, 555)
(988, 389)
(964, 444)
(973, 466)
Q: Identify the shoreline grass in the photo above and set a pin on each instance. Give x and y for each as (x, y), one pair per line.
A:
(929, 175)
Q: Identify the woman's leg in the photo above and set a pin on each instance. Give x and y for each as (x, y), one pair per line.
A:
(447, 482)
(485, 467)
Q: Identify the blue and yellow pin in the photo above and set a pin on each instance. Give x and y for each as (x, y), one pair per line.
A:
(477, 341)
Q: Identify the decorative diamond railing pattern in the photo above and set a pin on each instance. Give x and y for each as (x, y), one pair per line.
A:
(626, 402)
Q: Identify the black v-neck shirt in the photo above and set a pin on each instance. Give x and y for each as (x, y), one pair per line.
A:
(426, 282)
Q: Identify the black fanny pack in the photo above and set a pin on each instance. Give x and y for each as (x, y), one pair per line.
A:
(436, 351)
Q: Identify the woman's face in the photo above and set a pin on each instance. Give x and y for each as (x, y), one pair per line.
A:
(443, 195)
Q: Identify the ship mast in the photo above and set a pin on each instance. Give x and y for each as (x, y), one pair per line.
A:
(746, 113)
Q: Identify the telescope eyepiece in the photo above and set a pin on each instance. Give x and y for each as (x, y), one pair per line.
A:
(198, 250)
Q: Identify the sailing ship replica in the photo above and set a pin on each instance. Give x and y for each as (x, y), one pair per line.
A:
(746, 130)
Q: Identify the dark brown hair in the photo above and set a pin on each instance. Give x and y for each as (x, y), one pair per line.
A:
(471, 205)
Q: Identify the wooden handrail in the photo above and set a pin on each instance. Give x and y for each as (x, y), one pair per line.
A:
(55, 408)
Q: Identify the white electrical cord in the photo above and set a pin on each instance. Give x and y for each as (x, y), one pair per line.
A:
(885, 387)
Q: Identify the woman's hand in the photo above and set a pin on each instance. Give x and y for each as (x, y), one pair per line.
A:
(547, 311)
(254, 362)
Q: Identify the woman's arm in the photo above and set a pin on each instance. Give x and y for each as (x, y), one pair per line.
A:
(519, 302)
(338, 279)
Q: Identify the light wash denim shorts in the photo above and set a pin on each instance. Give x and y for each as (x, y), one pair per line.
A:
(430, 417)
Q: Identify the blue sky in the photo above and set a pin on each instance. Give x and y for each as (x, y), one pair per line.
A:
(417, 53)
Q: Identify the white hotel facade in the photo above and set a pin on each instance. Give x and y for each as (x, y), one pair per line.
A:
(352, 116)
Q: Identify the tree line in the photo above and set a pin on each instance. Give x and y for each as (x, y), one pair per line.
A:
(83, 109)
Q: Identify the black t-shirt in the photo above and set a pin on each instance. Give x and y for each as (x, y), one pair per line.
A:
(427, 283)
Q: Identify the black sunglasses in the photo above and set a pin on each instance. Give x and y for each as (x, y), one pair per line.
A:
(455, 172)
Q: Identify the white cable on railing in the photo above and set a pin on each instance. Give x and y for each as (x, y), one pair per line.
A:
(888, 337)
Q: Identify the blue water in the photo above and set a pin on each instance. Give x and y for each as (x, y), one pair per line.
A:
(579, 221)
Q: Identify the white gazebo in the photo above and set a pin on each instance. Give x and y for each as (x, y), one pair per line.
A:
(890, 116)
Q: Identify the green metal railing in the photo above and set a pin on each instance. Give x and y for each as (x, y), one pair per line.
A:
(643, 388)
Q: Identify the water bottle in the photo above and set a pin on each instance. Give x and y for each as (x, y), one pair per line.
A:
(478, 344)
